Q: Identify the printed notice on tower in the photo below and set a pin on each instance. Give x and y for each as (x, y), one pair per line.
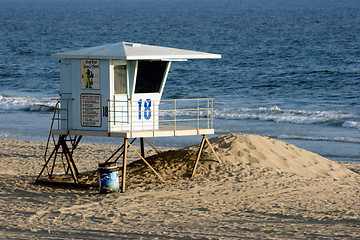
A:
(90, 74)
(90, 110)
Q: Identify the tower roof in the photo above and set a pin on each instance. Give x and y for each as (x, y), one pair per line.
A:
(134, 51)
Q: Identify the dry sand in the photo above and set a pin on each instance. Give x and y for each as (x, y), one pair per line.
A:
(263, 189)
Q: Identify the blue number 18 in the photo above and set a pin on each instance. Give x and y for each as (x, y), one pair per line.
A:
(147, 109)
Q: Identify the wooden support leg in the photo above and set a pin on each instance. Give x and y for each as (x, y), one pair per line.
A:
(142, 151)
(48, 160)
(152, 169)
(152, 146)
(198, 156)
(204, 139)
(69, 159)
(77, 141)
(118, 150)
(121, 154)
(123, 182)
(54, 162)
(73, 146)
(212, 149)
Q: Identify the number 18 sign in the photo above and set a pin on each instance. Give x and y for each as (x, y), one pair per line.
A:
(144, 109)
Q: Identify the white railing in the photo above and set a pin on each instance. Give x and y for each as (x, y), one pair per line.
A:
(174, 114)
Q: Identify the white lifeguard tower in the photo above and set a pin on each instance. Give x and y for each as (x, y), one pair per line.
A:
(115, 90)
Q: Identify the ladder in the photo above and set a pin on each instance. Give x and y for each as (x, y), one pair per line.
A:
(62, 151)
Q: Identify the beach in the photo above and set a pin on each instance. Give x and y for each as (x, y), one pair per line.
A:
(263, 188)
(288, 80)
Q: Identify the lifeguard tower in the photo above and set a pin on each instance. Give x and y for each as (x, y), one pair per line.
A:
(115, 90)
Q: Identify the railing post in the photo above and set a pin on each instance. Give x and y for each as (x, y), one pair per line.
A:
(131, 116)
(212, 113)
(175, 117)
(153, 114)
(198, 114)
(114, 110)
(58, 114)
(108, 115)
(67, 114)
(207, 110)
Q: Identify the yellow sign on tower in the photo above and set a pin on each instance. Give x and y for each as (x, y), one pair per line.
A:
(90, 74)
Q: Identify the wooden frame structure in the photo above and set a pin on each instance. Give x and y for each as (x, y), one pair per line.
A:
(61, 147)
(67, 141)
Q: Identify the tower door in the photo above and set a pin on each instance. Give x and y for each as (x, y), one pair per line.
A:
(119, 105)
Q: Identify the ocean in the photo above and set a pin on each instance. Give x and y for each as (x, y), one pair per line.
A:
(289, 69)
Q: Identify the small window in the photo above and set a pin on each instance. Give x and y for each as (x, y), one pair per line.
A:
(120, 79)
(150, 76)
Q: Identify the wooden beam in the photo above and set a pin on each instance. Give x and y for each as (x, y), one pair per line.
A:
(201, 148)
(212, 149)
(124, 150)
(152, 169)
(123, 177)
(54, 162)
(198, 156)
(142, 151)
(48, 160)
(152, 146)
(69, 159)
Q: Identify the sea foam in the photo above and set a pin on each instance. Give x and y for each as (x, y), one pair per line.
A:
(277, 114)
(31, 104)
(351, 124)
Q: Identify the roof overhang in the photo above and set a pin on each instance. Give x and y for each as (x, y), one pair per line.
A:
(135, 51)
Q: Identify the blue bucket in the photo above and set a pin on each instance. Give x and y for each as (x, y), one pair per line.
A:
(108, 177)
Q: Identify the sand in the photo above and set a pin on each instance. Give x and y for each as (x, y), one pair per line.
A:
(263, 189)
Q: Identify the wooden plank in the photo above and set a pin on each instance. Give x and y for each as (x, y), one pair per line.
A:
(142, 151)
(198, 156)
(124, 150)
(152, 146)
(48, 160)
(66, 152)
(152, 169)
(123, 177)
(54, 162)
(212, 149)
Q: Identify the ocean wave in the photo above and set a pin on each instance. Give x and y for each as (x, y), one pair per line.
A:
(276, 114)
(320, 138)
(29, 104)
(351, 124)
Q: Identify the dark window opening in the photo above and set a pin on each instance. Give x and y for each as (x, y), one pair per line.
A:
(150, 76)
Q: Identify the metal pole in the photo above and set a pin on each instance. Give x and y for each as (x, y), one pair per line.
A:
(108, 116)
(175, 117)
(58, 116)
(198, 115)
(212, 113)
(208, 115)
(131, 117)
(153, 116)
(142, 151)
(123, 182)
(67, 114)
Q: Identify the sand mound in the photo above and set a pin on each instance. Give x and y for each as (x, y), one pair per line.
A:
(264, 152)
(246, 153)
